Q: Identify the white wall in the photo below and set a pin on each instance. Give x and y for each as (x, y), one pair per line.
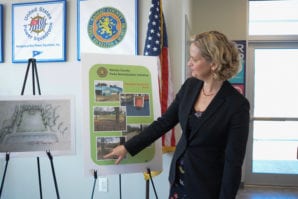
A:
(64, 78)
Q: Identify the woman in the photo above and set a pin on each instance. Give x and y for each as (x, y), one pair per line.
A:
(214, 118)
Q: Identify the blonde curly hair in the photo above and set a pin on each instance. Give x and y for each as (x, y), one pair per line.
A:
(215, 47)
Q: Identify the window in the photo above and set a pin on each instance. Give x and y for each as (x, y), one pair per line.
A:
(273, 17)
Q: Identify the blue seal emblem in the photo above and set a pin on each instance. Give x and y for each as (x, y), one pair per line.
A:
(107, 27)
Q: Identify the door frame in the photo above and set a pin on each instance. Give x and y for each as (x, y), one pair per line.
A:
(263, 178)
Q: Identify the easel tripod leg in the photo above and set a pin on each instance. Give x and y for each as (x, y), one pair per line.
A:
(94, 183)
(36, 75)
(26, 76)
(4, 174)
(39, 178)
(53, 171)
(150, 178)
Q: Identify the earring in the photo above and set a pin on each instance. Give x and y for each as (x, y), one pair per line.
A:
(213, 73)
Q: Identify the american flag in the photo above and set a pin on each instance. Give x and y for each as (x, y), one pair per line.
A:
(157, 45)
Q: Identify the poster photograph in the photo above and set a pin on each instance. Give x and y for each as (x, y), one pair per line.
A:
(38, 31)
(109, 118)
(120, 98)
(107, 26)
(30, 125)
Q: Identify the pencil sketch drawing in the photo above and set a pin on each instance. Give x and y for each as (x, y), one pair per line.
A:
(35, 125)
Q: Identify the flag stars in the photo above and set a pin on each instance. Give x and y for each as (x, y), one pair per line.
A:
(153, 43)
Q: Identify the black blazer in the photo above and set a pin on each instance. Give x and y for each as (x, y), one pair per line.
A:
(213, 153)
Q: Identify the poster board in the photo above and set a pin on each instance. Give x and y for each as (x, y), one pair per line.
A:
(120, 98)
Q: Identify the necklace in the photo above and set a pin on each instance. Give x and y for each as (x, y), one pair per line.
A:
(207, 95)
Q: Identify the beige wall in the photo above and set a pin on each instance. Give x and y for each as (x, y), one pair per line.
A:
(228, 16)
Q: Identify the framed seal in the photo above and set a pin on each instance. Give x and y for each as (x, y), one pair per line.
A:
(107, 27)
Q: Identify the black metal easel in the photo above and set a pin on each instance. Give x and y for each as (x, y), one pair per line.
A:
(4, 174)
(148, 185)
(53, 172)
(32, 63)
(94, 183)
(120, 187)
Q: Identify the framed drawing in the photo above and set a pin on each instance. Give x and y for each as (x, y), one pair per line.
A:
(30, 125)
(107, 26)
(38, 31)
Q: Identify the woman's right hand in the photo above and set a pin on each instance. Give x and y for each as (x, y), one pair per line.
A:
(119, 151)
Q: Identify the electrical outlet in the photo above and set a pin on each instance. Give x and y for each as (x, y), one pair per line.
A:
(103, 184)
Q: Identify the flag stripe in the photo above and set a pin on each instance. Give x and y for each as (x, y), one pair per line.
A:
(157, 45)
(165, 80)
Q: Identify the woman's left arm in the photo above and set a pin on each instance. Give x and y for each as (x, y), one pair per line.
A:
(235, 151)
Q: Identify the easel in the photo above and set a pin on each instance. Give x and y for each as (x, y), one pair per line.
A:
(32, 63)
(4, 174)
(148, 185)
(94, 183)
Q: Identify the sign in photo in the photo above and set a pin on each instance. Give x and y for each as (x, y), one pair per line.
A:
(120, 97)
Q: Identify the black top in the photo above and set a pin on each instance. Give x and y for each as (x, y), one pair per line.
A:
(192, 124)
